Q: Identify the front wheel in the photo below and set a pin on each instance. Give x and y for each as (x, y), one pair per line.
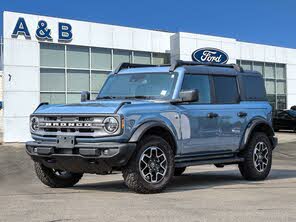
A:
(151, 167)
(258, 158)
(56, 178)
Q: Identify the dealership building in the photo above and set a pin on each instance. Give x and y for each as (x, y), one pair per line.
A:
(46, 59)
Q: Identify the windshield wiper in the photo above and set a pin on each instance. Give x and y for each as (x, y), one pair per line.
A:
(138, 97)
(107, 97)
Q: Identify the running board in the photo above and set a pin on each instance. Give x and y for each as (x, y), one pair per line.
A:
(231, 160)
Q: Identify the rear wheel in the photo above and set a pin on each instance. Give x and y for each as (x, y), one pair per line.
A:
(258, 158)
(56, 178)
(179, 171)
(151, 167)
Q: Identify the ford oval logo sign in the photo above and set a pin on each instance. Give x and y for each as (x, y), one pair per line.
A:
(210, 55)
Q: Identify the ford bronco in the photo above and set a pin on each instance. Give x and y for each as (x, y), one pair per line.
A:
(151, 122)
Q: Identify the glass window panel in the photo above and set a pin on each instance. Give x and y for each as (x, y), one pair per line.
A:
(199, 82)
(97, 80)
(161, 58)
(142, 57)
(53, 98)
(120, 56)
(101, 58)
(281, 87)
(281, 102)
(226, 96)
(52, 80)
(270, 86)
(246, 65)
(77, 57)
(78, 80)
(52, 55)
(259, 67)
(269, 70)
(280, 71)
(73, 98)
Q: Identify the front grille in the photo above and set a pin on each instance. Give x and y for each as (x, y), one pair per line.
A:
(80, 126)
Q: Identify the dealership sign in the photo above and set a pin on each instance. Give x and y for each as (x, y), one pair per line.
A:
(210, 55)
(43, 32)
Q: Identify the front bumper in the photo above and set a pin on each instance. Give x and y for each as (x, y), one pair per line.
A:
(97, 158)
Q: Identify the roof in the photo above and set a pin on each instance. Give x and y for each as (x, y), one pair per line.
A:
(188, 67)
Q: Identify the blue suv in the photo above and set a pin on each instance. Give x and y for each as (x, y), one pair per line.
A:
(151, 122)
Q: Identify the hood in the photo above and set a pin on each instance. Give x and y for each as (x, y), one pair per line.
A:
(92, 107)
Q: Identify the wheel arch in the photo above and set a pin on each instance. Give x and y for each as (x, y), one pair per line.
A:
(258, 125)
(155, 128)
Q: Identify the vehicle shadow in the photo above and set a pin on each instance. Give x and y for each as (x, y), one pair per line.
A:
(193, 181)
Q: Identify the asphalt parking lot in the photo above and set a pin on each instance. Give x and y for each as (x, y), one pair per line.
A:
(203, 193)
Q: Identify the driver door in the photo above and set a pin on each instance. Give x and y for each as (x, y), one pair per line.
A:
(199, 126)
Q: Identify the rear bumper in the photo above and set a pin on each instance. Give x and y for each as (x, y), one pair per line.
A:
(82, 157)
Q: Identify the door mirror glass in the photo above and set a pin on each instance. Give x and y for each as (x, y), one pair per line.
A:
(85, 96)
(189, 95)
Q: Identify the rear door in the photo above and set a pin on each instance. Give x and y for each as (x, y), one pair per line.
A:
(233, 118)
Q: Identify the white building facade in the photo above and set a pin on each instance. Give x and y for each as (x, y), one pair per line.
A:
(52, 60)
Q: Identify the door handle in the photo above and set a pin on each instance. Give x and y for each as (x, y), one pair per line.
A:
(212, 115)
(242, 114)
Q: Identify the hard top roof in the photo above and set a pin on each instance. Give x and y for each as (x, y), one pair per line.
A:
(189, 67)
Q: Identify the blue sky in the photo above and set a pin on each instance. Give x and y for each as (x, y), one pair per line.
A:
(261, 21)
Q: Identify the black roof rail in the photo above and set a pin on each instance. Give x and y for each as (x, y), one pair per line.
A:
(179, 63)
(127, 65)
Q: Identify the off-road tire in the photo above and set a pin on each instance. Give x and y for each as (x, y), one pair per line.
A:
(131, 173)
(48, 177)
(179, 171)
(247, 168)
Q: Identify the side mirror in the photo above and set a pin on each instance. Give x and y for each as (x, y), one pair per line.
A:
(85, 96)
(189, 95)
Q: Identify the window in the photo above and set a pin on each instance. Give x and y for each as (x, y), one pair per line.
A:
(155, 85)
(101, 58)
(226, 89)
(53, 98)
(78, 80)
(199, 82)
(120, 56)
(253, 88)
(66, 70)
(142, 57)
(160, 58)
(247, 65)
(77, 57)
(52, 55)
(259, 67)
(97, 80)
(269, 70)
(270, 86)
(52, 80)
(275, 81)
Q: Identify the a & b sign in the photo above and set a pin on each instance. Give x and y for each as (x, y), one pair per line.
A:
(43, 32)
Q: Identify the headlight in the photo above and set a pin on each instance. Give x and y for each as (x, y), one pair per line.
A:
(34, 124)
(110, 125)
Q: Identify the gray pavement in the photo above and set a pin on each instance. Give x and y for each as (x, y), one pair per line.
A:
(203, 193)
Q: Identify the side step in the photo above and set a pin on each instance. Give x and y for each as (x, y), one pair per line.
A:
(231, 160)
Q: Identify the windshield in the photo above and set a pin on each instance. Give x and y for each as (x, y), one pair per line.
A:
(139, 85)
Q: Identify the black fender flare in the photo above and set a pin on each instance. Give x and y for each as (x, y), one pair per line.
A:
(143, 128)
(253, 125)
